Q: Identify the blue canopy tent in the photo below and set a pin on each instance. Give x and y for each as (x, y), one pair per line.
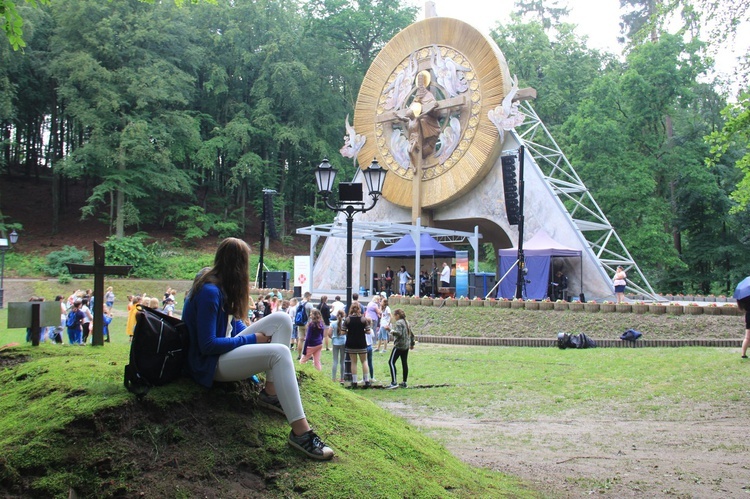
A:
(538, 253)
(405, 247)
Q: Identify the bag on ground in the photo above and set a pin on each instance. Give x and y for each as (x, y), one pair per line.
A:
(158, 351)
(631, 335)
(565, 340)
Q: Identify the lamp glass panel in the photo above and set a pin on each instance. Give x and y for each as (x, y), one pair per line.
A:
(325, 176)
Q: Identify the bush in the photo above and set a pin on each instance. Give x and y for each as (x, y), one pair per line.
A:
(20, 264)
(55, 261)
(193, 223)
(147, 260)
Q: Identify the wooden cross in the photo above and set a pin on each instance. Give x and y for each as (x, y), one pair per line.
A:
(444, 108)
(99, 269)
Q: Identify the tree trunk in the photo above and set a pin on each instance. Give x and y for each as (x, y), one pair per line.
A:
(120, 221)
(54, 139)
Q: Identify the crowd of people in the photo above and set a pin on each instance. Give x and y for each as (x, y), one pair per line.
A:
(77, 315)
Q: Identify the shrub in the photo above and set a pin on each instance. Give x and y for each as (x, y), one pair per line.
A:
(21, 264)
(55, 261)
(193, 223)
(147, 260)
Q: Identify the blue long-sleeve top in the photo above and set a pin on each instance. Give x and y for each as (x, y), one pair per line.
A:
(206, 321)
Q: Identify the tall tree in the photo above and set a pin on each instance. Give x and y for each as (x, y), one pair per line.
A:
(547, 12)
(127, 84)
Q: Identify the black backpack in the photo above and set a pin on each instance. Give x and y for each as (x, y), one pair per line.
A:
(565, 340)
(158, 352)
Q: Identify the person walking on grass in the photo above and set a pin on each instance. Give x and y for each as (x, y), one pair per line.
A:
(356, 343)
(316, 329)
(224, 348)
(403, 341)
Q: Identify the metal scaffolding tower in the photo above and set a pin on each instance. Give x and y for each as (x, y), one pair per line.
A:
(583, 210)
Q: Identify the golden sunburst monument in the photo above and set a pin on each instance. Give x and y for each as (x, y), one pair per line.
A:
(423, 108)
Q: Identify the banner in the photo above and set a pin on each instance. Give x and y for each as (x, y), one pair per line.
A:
(302, 273)
(462, 274)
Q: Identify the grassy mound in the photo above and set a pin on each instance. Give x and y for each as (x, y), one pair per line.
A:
(68, 425)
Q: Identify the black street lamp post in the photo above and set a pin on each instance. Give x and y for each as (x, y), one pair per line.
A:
(4, 246)
(350, 202)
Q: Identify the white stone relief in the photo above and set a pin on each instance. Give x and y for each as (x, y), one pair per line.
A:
(448, 73)
(353, 142)
(507, 116)
(401, 87)
(449, 139)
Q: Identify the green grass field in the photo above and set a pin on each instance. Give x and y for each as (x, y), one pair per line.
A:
(54, 388)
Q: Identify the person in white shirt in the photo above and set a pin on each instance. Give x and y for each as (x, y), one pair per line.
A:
(403, 279)
(336, 306)
(445, 276)
(385, 326)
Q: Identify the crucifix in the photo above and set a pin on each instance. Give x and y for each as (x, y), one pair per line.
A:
(423, 128)
(99, 269)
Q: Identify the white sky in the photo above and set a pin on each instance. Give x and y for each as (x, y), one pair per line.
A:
(597, 19)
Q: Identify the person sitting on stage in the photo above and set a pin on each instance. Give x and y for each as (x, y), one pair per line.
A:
(560, 285)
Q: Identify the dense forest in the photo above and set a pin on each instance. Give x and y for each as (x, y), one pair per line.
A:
(214, 101)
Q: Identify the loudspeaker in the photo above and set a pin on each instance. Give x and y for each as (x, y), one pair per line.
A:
(350, 191)
(510, 186)
(278, 280)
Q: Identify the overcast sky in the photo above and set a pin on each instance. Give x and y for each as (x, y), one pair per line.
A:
(597, 19)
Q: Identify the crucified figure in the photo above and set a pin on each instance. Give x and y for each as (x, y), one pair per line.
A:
(423, 130)
(422, 121)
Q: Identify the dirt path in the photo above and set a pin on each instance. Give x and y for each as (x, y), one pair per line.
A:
(704, 456)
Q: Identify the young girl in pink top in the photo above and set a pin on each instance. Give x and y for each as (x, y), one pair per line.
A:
(314, 339)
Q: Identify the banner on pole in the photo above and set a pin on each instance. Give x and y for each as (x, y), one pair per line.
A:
(302, 273)
(462, 273)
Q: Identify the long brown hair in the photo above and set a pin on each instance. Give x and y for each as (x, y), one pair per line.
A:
(355, 308)
(230, 274)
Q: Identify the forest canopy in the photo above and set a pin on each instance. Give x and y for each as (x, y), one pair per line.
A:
(219, 99)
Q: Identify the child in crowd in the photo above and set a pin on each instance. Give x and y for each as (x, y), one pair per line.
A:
(130, 325)
(169, 306)
(370, 338)
(314, 339)
(252, 311)
(325, 312)
(87, 318)
(107, 320)
(338, 342)
(385, 326)
(73, 323)
(109, 297)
